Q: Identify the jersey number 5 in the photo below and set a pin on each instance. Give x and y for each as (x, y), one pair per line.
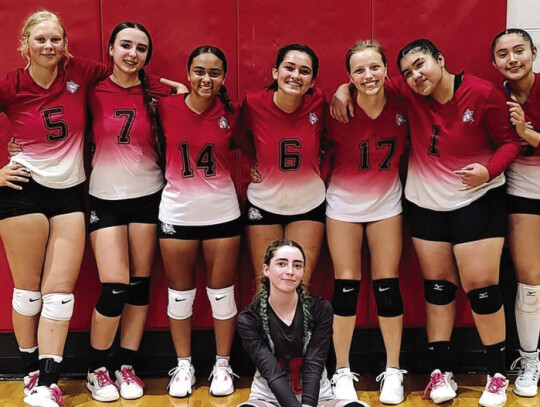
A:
(59, 127)
(129, 117)
(205, 160)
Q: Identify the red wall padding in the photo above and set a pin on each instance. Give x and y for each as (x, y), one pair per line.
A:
(250, 32)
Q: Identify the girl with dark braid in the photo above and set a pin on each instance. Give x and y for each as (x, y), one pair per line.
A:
(125, 190)
(287, 333)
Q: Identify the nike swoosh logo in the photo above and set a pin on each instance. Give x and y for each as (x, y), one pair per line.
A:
(118, 292)
(135, 283)
(220, 298)
(348, 290)
(381, 289)
(179, 299)
(34, 299)
(65, 301)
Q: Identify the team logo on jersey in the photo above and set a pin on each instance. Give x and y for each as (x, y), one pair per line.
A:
(313, 119)
(223, 123)
(93, 217)
(400, 119)
(168, 229)
(254, 214)
(72, 86)
(468, 116)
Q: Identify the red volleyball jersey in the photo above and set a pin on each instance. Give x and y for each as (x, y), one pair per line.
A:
(287, 146)
(364, 184)
(199, 188)
(49, 123)
(473, 127)
(124, 165)
(523, 175)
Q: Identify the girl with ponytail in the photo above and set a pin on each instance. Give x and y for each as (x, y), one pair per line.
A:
(287, 332)
(199, 209)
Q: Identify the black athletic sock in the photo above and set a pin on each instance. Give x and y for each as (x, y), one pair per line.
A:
(440, 356)
(49, 372)
(98, 358)
(30, 361)
(496, 358)
(127, 357)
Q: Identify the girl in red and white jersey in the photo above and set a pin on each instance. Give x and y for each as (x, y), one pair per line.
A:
(364, 193)
(125, 190)
(461, 142)
(513, 53)
(285, 121)
(199, 208)
(42, 219)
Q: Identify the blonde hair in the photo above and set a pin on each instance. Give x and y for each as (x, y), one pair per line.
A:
(39, 17)
(361, 46)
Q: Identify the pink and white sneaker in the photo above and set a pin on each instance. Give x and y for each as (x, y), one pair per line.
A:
(443, 386)
(44, 396)
(494, 394)
(30, 381)
(131, 387)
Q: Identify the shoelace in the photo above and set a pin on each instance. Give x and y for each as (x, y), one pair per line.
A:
(175, 371)
(437, 380)
(351, 375)
(496, 384)
(104, 379)
(529, 367)
(382, 377)
(57, 394)
(34, 378)
(129, 376)
(226, 369)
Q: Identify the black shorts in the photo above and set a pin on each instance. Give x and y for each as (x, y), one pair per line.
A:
(105, 213)
(36, 198)
(257, 216)
(221, 230)
(519, 204)
(482, 219)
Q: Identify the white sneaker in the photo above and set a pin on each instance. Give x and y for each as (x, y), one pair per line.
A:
(182, 379)
(30, 382)
(443, 386)
(131, 387)
(526, 384)
(100, 384)
(43, 396)
(222, 379)
(343, 384)
(494, 394)
(391, 386)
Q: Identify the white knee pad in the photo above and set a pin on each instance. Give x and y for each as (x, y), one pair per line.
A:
(528, 298)
(58, 306)
(27, 303)
(180, 304)
(222, 302)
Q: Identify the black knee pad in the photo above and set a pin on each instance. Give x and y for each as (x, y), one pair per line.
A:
(345, 297)
(388, 297)
(439, 292)
(139, 291)
(112, 299)
(485, 300)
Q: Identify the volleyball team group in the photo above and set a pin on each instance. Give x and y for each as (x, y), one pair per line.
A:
(160, 173)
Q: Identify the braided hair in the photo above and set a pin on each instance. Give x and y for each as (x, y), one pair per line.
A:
(263, 294)
(210, 49)
(148, 99)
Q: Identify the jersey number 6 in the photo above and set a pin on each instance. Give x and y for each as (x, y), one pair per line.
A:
(289, 160)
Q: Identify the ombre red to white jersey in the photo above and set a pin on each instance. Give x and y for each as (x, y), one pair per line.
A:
(523, 175)
(49, 123)
(473, 127)
(287, 146)
(124, 165)
(199, 188)
(364, 185)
